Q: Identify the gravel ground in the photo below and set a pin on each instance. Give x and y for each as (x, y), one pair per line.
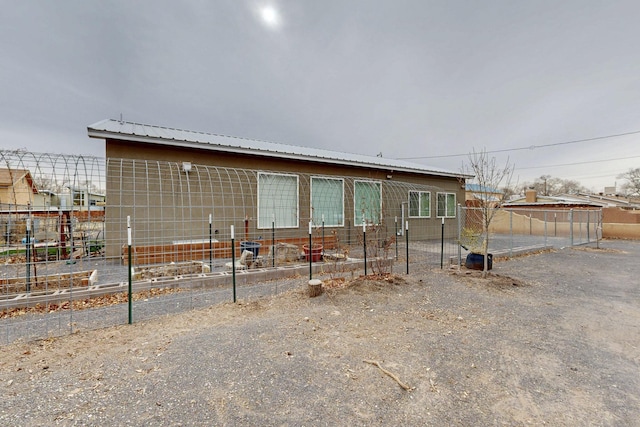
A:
(548, 339)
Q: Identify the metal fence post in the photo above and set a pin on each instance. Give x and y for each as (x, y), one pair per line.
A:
(570, 227)
(580, 227)
(322, 234)
(511, 233)
(442, 245)
(273, 240)
(364, 238)
(310, 253)
(210, 245)
(233, 262)
(396, 238)
(406, 238)
(130, 296)
(599, 227)
(28, 253)
(459, 235)
(545, 228)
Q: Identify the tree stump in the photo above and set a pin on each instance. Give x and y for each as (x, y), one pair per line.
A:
(315, 288)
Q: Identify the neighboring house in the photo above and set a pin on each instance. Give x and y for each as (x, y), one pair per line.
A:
(606, 201)
(533, 201)
(548, 215)
(17, 190)
(567, 201)
(620, 218)
(620, 215)
(81, 199)
(477, 194)
(170, 180)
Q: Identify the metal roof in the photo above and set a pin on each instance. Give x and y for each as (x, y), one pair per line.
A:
(481, 189)
(486, 197)
(606, 201)
(121, 130)
(549, 200)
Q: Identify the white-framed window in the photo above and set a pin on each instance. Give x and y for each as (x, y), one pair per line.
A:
(327, 201)
(277, 199)
(367, 202)
(419, 204)
(446, 205)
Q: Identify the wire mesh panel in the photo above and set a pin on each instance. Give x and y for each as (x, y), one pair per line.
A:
(179, 211)
(65, 224)
(51, 217)
(52, 222)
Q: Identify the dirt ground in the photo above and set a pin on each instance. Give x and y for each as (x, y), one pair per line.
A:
(547, 339)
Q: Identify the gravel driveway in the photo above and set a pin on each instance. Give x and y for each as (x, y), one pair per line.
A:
(549, 339)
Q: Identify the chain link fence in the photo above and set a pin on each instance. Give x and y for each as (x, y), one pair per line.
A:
(516, 229)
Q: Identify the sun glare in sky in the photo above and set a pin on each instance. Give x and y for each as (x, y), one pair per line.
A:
(270, 16)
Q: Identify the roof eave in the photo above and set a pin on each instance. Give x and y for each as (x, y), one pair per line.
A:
(94, 133)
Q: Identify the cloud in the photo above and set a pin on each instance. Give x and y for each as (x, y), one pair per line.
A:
(408, 78)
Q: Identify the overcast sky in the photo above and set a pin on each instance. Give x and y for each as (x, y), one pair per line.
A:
(408, 79)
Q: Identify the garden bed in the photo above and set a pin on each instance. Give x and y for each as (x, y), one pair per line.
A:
(170, 270)
(51, 282)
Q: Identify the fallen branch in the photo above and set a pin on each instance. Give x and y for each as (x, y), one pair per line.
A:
(395, 378)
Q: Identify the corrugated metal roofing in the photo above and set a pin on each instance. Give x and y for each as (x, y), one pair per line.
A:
(116, 129)
(548, 200)
(481, 189)
(486, 197)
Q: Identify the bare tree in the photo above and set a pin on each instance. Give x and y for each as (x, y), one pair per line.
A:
(48, 183)
(549, 186)
(488, 175)
(632, 186)
(508, 192)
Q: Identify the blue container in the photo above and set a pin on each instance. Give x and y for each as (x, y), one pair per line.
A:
(476, 261)
(253, 247)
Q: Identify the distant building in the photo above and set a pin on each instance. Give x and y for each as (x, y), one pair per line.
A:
(532, 200)
(18, 191)
(476, 194)
(609, 201)
(82, 199)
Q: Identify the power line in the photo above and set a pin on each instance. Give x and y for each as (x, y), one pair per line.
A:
(614, 174)
(579, 163)
(531, 147)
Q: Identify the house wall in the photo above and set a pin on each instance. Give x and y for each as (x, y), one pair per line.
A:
(19, 194)
(620, 231)
(621, 223)
(147, 183)
(530, 223)
(41, 201)
(141, 151)
(620, 216)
